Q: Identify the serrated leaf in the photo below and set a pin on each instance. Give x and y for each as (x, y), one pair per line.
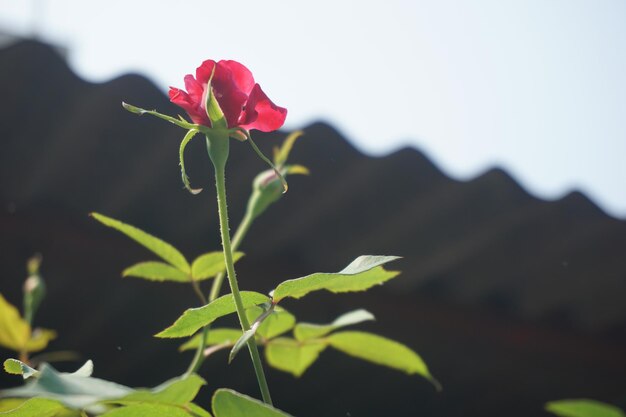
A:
(73, 391)
(39, 339)
(363, 273)
(277, 323)
(147, 410)
(304, 331)
(15, 367)
(177, 391)
(229, 403)
(14, 331)
(156, 271)
(583, 408)
(35, 407)
(159, 247)
(381, 351)
(210, 264)
(291, 355)
(195, 318)
(215, 336)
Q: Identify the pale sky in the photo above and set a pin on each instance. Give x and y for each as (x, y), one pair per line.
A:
(537, 87)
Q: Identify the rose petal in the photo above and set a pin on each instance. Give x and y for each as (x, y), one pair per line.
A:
(261, 113)
(242, 77)
(182, 99)
(203, 72)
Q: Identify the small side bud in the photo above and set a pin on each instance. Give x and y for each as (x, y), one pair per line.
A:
(34, 288)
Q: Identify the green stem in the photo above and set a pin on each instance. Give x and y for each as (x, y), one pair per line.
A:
(218, 151)
(241, 232)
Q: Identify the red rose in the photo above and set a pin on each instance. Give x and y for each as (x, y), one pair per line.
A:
(242, 101)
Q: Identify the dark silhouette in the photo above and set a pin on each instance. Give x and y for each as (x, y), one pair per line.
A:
(511, 300)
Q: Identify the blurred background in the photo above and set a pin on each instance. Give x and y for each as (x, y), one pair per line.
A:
(483, 141)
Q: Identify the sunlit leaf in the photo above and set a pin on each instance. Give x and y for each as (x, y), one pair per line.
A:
(35, 407)
(159, 247)
(147, 410)
(210, 264)
(363, 273)
(39, 339)
(15, 367)
(304, 331)
(291, 355)
(277, 323)
(195, 318)
(380, 350)
(215, 336)
(198, 411)
(229, 403)
(14, 331)
(72, 390)
(156, 271)
(177, 391)
(583, 408)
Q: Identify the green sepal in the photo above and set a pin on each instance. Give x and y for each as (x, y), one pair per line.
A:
(213, 109)
(178, 122)
(183, 144)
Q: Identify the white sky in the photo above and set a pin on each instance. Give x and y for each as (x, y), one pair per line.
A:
(535, 86)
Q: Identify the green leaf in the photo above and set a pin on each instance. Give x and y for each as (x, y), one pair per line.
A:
(363, 273)
(147, 410)
(35, 407)
(156, 271)
(210, 264)
(198, 411)
(380, 350)
(583, 408)
(195, 318)
(291, 355)
(277, 323)
(177, 391)
(159, 247)
(229, 403)
(217, 336)
(72, 390)
(14, 331)
(304, 331)
(39, 339)
(15, 367)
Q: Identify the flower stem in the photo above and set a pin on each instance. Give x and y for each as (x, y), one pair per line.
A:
(241, 232)
(218, 151)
